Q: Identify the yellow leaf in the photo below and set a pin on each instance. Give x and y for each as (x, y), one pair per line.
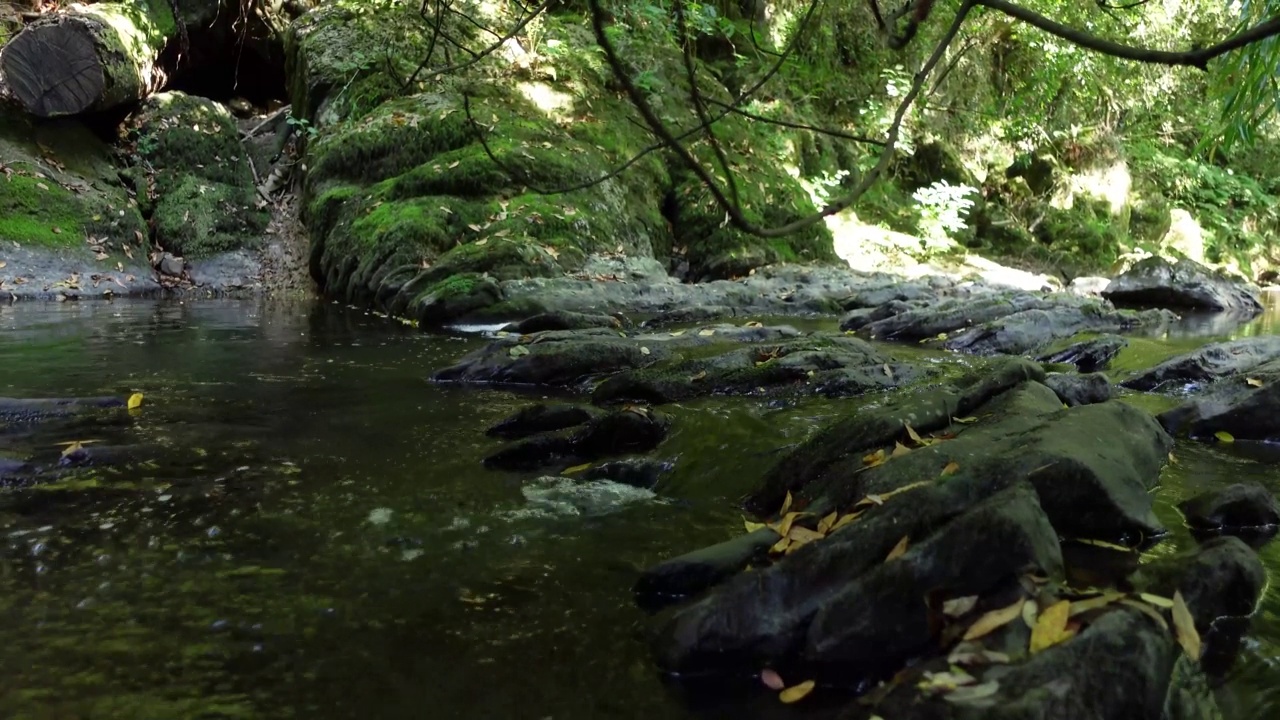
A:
(799, 535)
(965, 420)
(780, 546)
(753, 324)
(796, 693)
(1184, 627)
(72, 447)
(753, 526)
(701, 375)
(1105, 544)
(826, 524)
(677, 333)
(575, 469)
(845, 520)
(915, 436)
(1084, 606)
(1224, 436)
(873, 459)
(993, 620)
(1148, 610)
(950, 468)
(1255, 382)
(707, 332)
(956, 607)
(1030, 614)
(898, 550)
(1160, 602)
(1051, 628)
(3, 264)
(135, 401)
(786, 505)
(899, 450)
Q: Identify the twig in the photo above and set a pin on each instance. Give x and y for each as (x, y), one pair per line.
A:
(477, 57)
(265, 121)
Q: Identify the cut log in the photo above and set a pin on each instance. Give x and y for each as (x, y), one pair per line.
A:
(88, 57)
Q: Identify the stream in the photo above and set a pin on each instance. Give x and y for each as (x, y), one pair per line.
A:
(313, 535)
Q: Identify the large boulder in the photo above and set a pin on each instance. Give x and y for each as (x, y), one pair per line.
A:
(1156, 282)
(1211, 362)
(199, 188)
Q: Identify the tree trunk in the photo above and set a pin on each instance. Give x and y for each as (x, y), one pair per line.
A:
(88, 57)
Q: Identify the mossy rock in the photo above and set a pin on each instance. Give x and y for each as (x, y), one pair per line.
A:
(202, 189)
(60, 186)
(1150, 217)
(1086, 235)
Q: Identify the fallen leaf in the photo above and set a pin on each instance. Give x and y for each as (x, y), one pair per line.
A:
(950, 468)
(707, 332)
(1185, 627)
(1083, 606)
(3, 264)
(965, 420)
(972, 693)
(845, 520)
(993, 620)
(753, 526)
(1030, 614)
(753, 324)
(518, 351)
(786, 505)
(899, 450)
(772, 680)
(1255, 382)
(701, 375)
(454, 164)
(800, 535)
(780, 546)
(575, 469)
(956, 607)
(644, 350)
(827, 523)
(135, 401)
(873, 459)
(677, 333)
(1105, 544)
(945, 681)
(898, 550)
(1147, 610)
(888, 372)
(1051, 627)
(1224, 436)
(915, 436)
(972, 653)
(797, 693)
(783, 527)
(1160, 602)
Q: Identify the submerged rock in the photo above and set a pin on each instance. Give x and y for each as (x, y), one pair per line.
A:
(1156, 282)
(1085, 389)
(539, 419)
(554, 495)
(1031, 330)
(1089, 355)
(1243, 505)
(633, 430)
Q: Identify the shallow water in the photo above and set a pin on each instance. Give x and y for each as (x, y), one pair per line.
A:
(312, 534)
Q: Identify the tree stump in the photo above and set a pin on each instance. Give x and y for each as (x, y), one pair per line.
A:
(88, 57)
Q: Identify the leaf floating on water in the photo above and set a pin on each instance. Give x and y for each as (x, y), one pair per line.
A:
(1160, 602)
(898, 550)
(518, 351)
(950, 468)
(772, 680)
(1224, 436)
(956, 607)
(1185, 627)
(899, 450)
(796, 693)
(1051, 628)
(1254, 382)
(993, 620)
(135, 401)
(575, 469)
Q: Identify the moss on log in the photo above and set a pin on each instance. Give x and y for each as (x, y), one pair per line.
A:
(88, 57)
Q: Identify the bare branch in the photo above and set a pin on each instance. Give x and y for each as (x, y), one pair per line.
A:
(477, 57)
(794, 125)
(699, 107)
(1192, 58)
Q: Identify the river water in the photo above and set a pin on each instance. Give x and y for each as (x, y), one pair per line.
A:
(308, 531)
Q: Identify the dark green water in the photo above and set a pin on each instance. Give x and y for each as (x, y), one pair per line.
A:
(313, 536)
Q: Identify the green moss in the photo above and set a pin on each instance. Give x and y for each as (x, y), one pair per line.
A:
(199, 218)
(37, 210)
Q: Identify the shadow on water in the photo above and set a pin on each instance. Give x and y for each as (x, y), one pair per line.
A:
(308, 532)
